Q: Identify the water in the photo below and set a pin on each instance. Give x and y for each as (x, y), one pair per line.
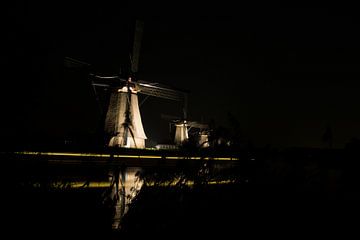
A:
(270, 194)
(125, 185)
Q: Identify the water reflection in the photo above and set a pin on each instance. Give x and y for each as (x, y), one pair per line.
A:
(125, 185)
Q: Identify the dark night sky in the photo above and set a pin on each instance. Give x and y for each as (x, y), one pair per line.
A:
(284, 73)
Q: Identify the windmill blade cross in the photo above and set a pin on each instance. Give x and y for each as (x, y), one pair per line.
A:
(103, 77)
(74, 63)
(198, 125)
(161, 92)
(106, 81)
(100, 84)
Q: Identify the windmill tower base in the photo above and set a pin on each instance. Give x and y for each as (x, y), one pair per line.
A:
(116, 121)
(119, 141)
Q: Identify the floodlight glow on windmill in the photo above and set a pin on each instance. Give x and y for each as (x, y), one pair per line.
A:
(123, 122)
(123, 119)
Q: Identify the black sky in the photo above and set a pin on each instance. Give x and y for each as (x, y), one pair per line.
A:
(284, 73)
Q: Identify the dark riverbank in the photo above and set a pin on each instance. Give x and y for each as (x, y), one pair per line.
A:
(270, 194)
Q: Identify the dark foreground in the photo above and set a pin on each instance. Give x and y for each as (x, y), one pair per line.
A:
(257, 211)
(228, 210)
(274, 196)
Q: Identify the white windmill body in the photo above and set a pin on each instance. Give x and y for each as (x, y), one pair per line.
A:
(125, 134)
(181, 133)
(204, 139)
(186, 129)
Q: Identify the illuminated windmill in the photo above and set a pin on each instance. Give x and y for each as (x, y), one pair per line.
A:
(123, 119)
(183, 127)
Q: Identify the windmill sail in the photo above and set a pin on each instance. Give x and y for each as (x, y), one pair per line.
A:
(137, 44)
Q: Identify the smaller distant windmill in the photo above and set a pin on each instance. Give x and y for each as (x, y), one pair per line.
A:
(183, 127)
